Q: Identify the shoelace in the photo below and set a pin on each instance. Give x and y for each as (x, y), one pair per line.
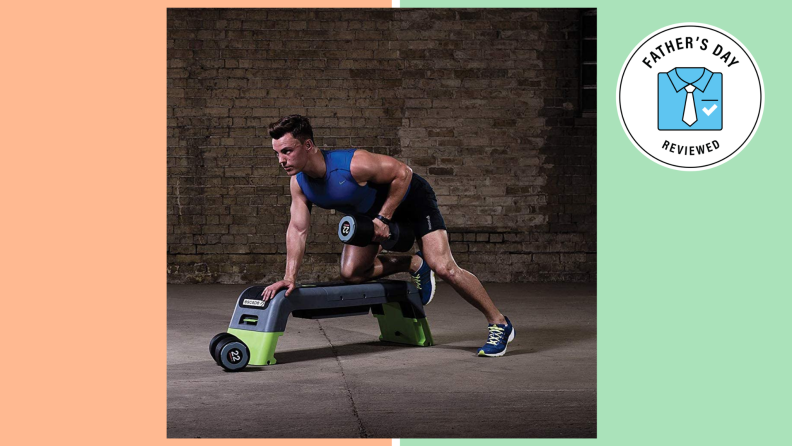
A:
(495, 334)
(417, 280)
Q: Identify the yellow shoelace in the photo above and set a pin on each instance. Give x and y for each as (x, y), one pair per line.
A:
(417, 280)
(495, 334)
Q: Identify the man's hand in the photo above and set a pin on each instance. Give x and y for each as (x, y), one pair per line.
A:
(273, 289)
(381, 231)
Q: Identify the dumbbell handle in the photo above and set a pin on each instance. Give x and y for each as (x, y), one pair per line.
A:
(388, 223)
(359, 231)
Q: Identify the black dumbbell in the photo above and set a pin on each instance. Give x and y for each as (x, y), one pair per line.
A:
(359, 231)
(231, 353)
(216, 340)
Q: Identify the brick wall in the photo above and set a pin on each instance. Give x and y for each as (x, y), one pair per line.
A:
(483, 103)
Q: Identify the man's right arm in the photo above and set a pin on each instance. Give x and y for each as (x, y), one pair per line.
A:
(296, 235)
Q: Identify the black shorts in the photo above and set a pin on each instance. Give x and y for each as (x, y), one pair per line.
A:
(420, 209)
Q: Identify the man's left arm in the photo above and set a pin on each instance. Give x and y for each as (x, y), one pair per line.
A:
(382, 169)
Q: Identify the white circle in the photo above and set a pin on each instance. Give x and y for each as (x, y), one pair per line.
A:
(653, 104)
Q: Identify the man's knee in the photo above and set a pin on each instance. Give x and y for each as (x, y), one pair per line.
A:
(448, 271)
(353, 280)
(349, 274)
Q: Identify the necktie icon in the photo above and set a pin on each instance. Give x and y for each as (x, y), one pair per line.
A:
(689, 115)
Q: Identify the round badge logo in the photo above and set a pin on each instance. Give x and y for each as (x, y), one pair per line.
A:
(690, 96)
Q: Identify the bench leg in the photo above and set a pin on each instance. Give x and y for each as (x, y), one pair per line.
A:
(261, 345)
(397, 328)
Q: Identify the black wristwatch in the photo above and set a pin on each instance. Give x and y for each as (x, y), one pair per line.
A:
(383, 219)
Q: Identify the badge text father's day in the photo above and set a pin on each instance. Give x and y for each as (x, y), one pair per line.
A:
(687, 43)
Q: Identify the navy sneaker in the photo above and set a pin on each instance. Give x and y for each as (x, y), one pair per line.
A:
(424, 280)
(499, 336)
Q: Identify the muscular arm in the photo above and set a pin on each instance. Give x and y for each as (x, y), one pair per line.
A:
(382, 169)
(298, 230)
(296, 235)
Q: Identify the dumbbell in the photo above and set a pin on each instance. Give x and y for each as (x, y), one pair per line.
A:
(229, 352)
(359, 231)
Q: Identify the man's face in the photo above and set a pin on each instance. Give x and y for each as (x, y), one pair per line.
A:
(292, 155)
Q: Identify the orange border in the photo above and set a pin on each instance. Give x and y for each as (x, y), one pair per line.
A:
(84, 189)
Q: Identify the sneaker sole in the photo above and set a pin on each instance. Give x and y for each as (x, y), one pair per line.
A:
(495, 355)
(434, 287)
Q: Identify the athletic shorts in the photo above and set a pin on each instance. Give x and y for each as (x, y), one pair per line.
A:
(419, 208)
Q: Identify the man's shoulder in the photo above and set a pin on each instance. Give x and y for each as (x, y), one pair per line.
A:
(340, 158)
(339, 152)
(294, 182)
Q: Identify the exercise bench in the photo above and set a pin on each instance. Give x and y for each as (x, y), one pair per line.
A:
(256, 324)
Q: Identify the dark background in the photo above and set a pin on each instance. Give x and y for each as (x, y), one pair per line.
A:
(483, 103)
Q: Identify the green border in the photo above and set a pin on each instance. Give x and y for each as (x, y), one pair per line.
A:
(693, 301)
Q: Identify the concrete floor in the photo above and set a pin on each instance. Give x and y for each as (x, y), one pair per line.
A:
(334, 379)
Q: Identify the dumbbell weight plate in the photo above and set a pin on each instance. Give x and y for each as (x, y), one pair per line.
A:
(233, 354)
(213, 344)
(356, 231)
(346, 228)
(219, 346)
(393, 239)
(402, 238)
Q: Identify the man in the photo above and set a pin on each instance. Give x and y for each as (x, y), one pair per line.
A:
(382, 188)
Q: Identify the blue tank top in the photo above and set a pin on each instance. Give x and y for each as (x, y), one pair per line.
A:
(338, 190)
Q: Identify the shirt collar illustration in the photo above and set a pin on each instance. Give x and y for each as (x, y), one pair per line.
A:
(700, 83)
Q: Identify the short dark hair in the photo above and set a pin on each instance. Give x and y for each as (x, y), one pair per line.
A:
(299, 127)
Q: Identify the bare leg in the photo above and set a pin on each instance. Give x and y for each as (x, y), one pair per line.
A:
(437, 253)
(361, 264)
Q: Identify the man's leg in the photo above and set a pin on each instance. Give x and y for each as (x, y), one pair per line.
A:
(437, 253)
(361, 263)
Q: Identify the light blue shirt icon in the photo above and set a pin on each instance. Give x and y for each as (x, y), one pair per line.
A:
(673, 103)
